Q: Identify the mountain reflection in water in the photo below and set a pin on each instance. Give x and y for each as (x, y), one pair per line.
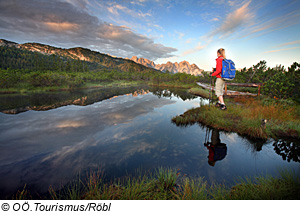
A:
(118, 131)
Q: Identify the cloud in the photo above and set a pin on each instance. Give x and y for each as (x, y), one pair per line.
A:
(155, 26)
(215, 19)
(79, 3)
(231, 24)
(115, 8)
(287, 15)
(190, 40)
(63, 26)
(62, 23)
(180, 35)
(217, 1)
(231, 3)
(193, 50)
(138, 2)
(279, 50)
(233, 21)
(289, 43)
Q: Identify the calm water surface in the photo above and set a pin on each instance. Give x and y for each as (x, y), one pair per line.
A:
(119, 131)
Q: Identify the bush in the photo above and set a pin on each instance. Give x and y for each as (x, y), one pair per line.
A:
(46, 79)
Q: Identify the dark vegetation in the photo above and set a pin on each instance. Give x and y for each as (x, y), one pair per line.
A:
(170, 184)
(279, 105)
(244, 116)
(22, 70)
(278, 82)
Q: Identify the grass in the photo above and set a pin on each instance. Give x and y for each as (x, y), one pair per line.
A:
(26, 88)
(267, 187)
(200, 92)
(166, 183)
(173, 84)
(244, 116)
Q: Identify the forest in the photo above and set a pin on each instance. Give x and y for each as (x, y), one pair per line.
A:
(25, 69)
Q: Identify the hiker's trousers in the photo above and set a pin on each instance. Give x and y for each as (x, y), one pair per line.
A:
(220, 85)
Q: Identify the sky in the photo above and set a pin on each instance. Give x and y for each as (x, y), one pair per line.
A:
(162, 30)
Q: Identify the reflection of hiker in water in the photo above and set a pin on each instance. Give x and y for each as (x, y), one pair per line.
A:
(217, 150)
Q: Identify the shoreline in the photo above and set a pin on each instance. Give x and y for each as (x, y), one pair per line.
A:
(244, 116)
(169, 184)
(237, 118)
(93, 86)
(63, 88)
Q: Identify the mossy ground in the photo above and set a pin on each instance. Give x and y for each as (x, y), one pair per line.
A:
(244, 115)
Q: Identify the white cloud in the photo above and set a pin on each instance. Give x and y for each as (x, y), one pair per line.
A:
(233, 21)
(231, 3)
(280, 50)
(181, 35)
(274, 24)
(231, 24)
(115, 8)
(190, 40)
(193, 50)
(289, 43)
(61, 23)
(217, 1)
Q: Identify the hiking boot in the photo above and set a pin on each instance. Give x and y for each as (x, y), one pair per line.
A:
(218, 105)
(223, 107)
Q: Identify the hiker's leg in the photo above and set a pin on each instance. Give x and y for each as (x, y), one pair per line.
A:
(218, 87)
(221, 100)
(220, 84)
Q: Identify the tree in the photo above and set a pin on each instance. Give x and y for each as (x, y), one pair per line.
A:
(258, 68)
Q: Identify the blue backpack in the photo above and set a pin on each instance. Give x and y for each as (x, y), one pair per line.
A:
(220, 151)
(228, 70)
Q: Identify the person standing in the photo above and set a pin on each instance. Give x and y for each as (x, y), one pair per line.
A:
(217, 150)
(220, 82)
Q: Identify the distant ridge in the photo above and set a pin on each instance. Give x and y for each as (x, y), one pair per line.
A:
(78, 53)
(106, 60)
(7, 43)
(182, 67)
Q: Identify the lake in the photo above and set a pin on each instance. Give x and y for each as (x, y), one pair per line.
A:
(49, 138)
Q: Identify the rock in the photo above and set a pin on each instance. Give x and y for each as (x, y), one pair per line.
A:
(182, 67)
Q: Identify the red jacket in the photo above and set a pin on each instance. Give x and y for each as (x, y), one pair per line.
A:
(218, 71)
(211, 154)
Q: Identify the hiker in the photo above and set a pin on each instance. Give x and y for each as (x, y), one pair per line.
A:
(220, 82)
(216, 150)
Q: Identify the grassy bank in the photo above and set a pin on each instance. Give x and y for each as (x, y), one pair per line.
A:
(200, 92)
(27, 88)
(244, 116)
(169, 184)
(173, 84)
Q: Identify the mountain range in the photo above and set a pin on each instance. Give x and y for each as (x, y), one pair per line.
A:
(96, 59)
(182, 67)
(105, 60)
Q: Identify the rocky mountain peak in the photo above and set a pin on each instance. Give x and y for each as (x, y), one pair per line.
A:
(7, 43)
(143, 61)
(184, 63)
(182, 67)
(134, 58)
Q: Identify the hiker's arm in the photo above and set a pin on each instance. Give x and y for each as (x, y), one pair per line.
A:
(218, 67)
